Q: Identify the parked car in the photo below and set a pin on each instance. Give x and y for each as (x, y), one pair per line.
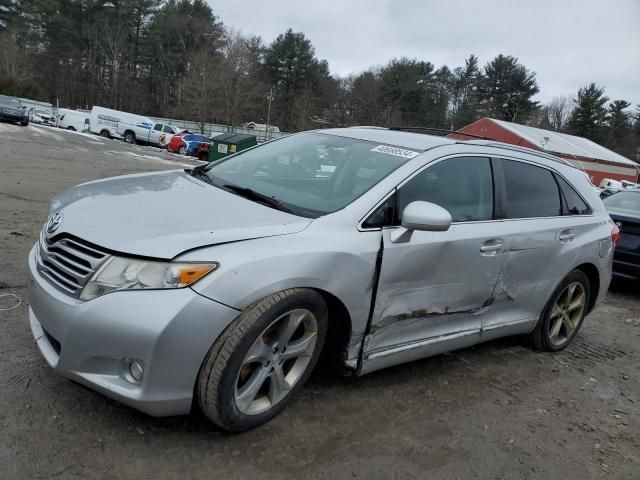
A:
(221, 285)
(74, 120)
(187, 144)
(11, 110)
(168, 131)
(624, 208)
(43, 117)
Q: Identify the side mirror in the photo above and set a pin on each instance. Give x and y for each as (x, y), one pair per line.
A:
(426, 216)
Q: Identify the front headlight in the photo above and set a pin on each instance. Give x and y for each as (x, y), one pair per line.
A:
(120, 273)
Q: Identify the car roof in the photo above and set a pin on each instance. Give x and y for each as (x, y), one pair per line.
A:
(414, 141)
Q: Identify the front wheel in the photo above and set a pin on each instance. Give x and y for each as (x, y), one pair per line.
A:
(182, 150)
(263, 359)
(563, 315)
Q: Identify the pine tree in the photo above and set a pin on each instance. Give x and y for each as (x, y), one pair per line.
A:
(297, 75)
(465, 99)
(589, 116)
(507, 89)
(618, 123)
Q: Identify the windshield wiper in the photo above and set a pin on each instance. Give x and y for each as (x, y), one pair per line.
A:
(257, 196)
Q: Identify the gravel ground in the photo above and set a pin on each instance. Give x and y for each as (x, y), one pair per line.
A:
(498, 411)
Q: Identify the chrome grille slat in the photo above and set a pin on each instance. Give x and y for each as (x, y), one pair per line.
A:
(68, 263)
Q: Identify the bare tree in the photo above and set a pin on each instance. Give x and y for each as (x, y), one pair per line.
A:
(557, 112)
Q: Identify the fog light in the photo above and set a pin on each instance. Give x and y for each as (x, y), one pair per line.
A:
(136, 371)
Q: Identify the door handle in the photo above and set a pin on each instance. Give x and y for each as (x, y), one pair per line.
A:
(491, 247)
(567, 235)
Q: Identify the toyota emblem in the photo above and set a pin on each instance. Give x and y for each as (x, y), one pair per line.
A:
(54, 222)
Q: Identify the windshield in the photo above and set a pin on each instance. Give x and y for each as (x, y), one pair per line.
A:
(311, 174)
(10, 102)
(623, 203)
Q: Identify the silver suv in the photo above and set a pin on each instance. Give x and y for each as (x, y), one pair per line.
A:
(373, 246)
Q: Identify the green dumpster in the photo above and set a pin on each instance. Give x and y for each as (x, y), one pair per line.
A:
(229, 143)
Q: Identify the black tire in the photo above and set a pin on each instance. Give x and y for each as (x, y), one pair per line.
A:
(24, 124)
(130, 138)
(182, 150)
(105, 134)
(218, 375)
(540, 337)
(71, 128)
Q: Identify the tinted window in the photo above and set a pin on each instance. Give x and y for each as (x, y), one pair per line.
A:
(158, 127)
(531, 191)
(463, 186)
(167, 129)
(573, 203)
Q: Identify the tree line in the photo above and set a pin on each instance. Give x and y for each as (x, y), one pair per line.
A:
(176, 58)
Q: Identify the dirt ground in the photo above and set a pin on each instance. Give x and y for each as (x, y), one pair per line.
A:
(496, 411)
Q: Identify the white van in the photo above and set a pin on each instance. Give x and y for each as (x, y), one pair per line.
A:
(129, 127)
(75, 120)
(110, 123)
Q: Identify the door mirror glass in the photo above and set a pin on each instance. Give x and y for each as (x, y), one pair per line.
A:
(426, 216)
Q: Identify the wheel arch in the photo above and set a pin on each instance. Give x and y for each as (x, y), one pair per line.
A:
(336, 347)
(592, 273)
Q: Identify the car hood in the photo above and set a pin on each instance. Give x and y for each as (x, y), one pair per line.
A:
(160, 215)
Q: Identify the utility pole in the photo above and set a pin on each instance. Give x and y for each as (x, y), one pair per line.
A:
(268, 114)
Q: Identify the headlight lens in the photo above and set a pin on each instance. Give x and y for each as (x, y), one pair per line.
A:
(121, 273)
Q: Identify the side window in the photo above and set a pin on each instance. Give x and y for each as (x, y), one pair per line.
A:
(531, 191)
(382, 216)
(573, 203)
(167, 129)
(157, 127)
(463, 186)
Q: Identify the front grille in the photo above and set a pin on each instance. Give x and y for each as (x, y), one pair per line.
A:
(68, 263)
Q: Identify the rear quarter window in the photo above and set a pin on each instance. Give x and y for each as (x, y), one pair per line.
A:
(572, 204)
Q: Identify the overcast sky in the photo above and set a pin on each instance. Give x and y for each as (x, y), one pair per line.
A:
(568, 43)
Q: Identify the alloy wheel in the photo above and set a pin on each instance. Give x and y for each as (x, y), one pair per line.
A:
(276, 361)
(566, 313)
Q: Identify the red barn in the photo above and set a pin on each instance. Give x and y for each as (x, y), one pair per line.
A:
(597, 161)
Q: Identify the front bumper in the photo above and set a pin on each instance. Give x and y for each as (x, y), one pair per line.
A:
(169, 331)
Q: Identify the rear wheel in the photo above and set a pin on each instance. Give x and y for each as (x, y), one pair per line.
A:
(71, 128)
(263, 359)
(563, 315)
(130, 137)
(105, 134)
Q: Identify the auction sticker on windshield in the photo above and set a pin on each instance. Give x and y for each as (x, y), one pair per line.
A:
(398, 152)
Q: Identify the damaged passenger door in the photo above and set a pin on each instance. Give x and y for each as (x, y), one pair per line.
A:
(434, 286)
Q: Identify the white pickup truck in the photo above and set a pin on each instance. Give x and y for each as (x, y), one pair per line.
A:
(129, 127)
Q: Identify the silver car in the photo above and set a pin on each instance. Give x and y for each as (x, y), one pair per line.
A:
(371, 246)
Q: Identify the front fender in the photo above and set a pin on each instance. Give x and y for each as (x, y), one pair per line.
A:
(342, 265)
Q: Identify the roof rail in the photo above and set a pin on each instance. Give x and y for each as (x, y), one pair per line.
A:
(439, 130)
(530, 151)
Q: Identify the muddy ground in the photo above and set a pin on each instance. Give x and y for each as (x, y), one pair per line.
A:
(498, 411)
